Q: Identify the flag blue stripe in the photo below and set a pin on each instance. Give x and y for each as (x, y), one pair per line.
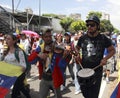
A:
(7, 81)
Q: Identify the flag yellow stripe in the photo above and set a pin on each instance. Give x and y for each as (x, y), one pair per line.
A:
(9, 69)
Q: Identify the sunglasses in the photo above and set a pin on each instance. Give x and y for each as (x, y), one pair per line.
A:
(90, 25)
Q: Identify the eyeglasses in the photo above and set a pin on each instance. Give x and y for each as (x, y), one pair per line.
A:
(91, 25)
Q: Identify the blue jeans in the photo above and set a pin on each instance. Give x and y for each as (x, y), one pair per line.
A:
(76, 67)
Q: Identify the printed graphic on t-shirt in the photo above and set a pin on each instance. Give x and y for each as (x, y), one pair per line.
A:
(91, 49)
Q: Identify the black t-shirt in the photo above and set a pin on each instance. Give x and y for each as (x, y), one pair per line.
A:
(93, 49)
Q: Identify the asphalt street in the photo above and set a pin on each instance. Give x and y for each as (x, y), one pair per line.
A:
(105, 92)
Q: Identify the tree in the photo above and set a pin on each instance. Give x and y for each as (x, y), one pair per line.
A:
(66, 22)
(106, 26)
(116, 31)
(98, 14)
(78, 25)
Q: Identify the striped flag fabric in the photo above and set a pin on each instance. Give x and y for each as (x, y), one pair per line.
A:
(8, 76)
(116, 92)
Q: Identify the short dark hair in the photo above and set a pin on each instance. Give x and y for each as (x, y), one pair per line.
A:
(46, 31)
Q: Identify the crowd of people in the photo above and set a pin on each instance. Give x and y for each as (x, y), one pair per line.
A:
(84, 54)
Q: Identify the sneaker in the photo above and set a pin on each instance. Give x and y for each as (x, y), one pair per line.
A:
(62, 87)
(107, 80)
(77, 92)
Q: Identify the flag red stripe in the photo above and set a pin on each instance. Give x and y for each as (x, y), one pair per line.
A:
(3, 92)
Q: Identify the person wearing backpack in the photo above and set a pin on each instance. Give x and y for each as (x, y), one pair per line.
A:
(15, 55)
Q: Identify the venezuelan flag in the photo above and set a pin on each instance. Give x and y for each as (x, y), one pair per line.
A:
(116, 92)
(8, 76)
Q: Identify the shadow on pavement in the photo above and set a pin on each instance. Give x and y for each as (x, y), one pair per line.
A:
(112, 78)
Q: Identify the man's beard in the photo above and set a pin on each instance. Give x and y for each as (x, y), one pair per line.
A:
(92, 33)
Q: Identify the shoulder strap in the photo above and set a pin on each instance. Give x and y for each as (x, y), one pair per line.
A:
(17, 54)
(26, 59)
(28, 66)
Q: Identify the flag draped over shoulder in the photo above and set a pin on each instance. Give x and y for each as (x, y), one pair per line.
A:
(8, 76)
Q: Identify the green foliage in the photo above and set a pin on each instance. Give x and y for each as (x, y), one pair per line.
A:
(78, 25)
(66, 22)
(98, 14)
(106, 26)
(116, 31)
(69, 24)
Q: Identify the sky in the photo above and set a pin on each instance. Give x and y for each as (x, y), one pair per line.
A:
(66, 7)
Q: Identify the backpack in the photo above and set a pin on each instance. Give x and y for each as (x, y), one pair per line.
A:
(28, 66)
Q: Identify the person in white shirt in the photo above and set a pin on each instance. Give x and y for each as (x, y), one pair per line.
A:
(25, 43)
(11, 57)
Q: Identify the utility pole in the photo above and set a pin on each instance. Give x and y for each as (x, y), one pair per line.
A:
(27, 18)
(13, 6)
(13, 26)
(39, 26)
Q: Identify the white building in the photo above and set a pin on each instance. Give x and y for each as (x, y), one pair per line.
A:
(105, 16)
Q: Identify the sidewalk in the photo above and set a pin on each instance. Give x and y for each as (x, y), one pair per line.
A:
(111, 85)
